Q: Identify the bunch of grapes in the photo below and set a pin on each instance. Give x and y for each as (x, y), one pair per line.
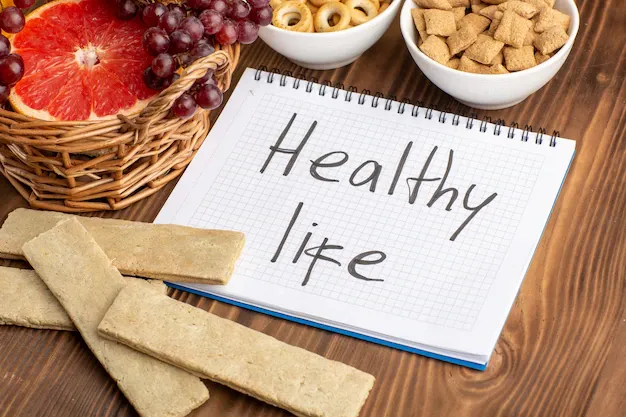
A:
(179, 34)
(12, 20)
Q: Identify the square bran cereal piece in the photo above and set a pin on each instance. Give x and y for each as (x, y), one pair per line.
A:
(467, 65)
(518, 59)
(541, 58)
(484, 50)
(434, 4)
(550, 3)
(512, 29)
(549, 18)
(437, 49)
(459, 3)
(539, 4)
(453, 63)
(495, 23)
(498, 69)
(489, 11)
(477, 22)
(439, 22)
(459, 13)
(530, 37)
(499, 59)
(525, 10)
(420, 24)
(496, 2)
(461, 40)
(476, 8)
(551, 40)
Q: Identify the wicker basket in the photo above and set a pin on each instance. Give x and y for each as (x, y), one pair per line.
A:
(107, 165)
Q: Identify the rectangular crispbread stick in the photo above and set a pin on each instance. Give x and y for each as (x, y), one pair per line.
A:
(82, 279)
(159, 251)
(26, 301)
(226, 352)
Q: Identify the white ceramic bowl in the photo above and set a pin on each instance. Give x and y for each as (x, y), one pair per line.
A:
(330, 50)
(489, 92)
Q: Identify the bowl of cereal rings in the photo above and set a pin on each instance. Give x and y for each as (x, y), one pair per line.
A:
(327, 34)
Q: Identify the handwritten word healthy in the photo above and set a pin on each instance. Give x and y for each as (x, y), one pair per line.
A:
(373, 169)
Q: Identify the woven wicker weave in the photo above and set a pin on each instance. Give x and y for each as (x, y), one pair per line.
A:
(108, 165)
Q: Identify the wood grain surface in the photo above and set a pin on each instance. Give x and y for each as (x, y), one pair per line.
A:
(563, 348)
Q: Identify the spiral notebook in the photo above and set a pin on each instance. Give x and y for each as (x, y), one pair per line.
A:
(382, 220)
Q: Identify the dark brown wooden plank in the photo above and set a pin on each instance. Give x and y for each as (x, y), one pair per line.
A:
(562, 349)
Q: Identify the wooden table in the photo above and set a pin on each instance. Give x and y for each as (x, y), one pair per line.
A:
(563, 348)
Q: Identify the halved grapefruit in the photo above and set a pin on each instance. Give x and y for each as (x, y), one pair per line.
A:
(81, 62)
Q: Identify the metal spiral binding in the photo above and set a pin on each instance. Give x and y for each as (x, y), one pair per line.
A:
(389, 101)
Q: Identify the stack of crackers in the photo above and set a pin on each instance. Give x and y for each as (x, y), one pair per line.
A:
(490, 36)
(156, 348)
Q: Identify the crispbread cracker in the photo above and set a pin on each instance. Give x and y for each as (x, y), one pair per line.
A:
(26, 301)
(81, 277)
(221, 350)
(166, 252)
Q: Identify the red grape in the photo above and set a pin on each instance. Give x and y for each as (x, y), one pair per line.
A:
(4, 93)
(177, 9)
(185, 59)
(12, 19)
(180, 42)
(212, 21)
(209, 97)
(228, 34)
(151, 80)
(206, 77)
(184, 106)
(193, 26)
(151, 13)
(126, 9)
(247, 31)
(169, 21)
(5, 46)
(239, 9)
(163, 65)
(11, 69)
(24, 4)
(170, 80)
(201, 50)
(198, 4)
(220, 6)
(256, 4)
(155, 41)
(261, 16)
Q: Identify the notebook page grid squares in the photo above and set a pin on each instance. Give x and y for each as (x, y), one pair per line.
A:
(427, 277)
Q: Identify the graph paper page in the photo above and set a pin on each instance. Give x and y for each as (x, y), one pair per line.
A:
(398, 246)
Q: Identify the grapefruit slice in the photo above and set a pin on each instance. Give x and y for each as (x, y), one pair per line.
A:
(81, 62)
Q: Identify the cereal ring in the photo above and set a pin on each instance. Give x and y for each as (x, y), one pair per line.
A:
(313, 8)
(320, 3)
(376, 3)
(292, 15)
(326, 12)
(368, 11)
(383, 8)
